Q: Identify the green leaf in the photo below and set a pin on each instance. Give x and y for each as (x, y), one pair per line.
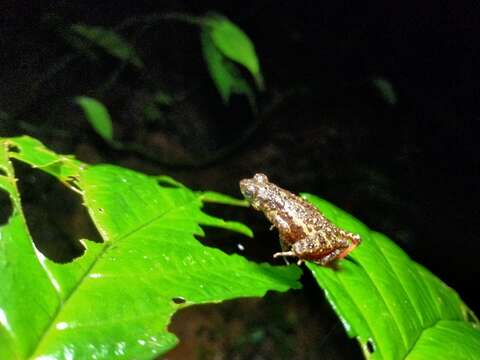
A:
(116, 300)
(168, 181)
(234, 44)
(384, 298)
(163, 98)
(110, 41)
(97, 115)
(447, 340)
(215, 197)
(225, 75)
(386, 90)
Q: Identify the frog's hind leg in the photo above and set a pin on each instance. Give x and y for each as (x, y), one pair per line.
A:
(328, 259)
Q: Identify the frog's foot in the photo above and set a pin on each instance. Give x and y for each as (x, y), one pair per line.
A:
(288, 253)
(284, 253)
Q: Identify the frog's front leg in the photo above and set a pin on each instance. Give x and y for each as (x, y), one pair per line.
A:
(287, 253)
(308, 249)
(299, 249)
(279, 222)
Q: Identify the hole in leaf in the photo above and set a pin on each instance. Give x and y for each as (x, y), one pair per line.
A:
(370, 346)
(223, 239)
(55, 215)
(6, 207)
(3, 171)
(13, 148)
(232, 242)
(179, 300)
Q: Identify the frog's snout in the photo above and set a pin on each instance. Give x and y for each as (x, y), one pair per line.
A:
(247, 189)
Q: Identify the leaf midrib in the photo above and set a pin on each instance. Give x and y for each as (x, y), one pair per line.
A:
(420, 335)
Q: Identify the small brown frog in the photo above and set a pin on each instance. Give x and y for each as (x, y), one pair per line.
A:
(304, 232)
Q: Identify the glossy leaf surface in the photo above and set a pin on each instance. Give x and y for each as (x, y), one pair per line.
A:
(392, 305)
(116, 300)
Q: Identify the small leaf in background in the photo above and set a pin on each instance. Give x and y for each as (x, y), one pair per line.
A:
(226, 77)
(110, 41)
(152, 113)
(163, 98)
(234, 44)
(154, 108)
(395, 307)
(386, 90)
(97, 115)
(116, 300)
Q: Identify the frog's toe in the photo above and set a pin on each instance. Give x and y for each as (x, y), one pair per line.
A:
(284, 253)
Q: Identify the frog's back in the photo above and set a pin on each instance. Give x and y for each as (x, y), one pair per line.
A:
(294, 208)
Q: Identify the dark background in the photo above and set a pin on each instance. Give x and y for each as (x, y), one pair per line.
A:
(408, 169)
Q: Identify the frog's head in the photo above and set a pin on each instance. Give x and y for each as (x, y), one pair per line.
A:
(253, 189)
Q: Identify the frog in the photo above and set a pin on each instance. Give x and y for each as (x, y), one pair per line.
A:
(304, 232)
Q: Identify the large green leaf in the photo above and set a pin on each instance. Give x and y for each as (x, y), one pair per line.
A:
(395, 307)
(116, 300)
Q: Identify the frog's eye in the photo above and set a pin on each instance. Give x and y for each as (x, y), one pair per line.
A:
(261, 178)
(248, 191)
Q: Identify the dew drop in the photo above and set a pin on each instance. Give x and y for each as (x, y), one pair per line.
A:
(62, 326)
(179, 300)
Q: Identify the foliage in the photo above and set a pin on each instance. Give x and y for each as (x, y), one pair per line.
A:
(225, 75)
(386, 90)
(226, 48)
(110, 41)
(97, 115)
(115, 301)
(395, 307)
(234, 44)
(224, 45)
